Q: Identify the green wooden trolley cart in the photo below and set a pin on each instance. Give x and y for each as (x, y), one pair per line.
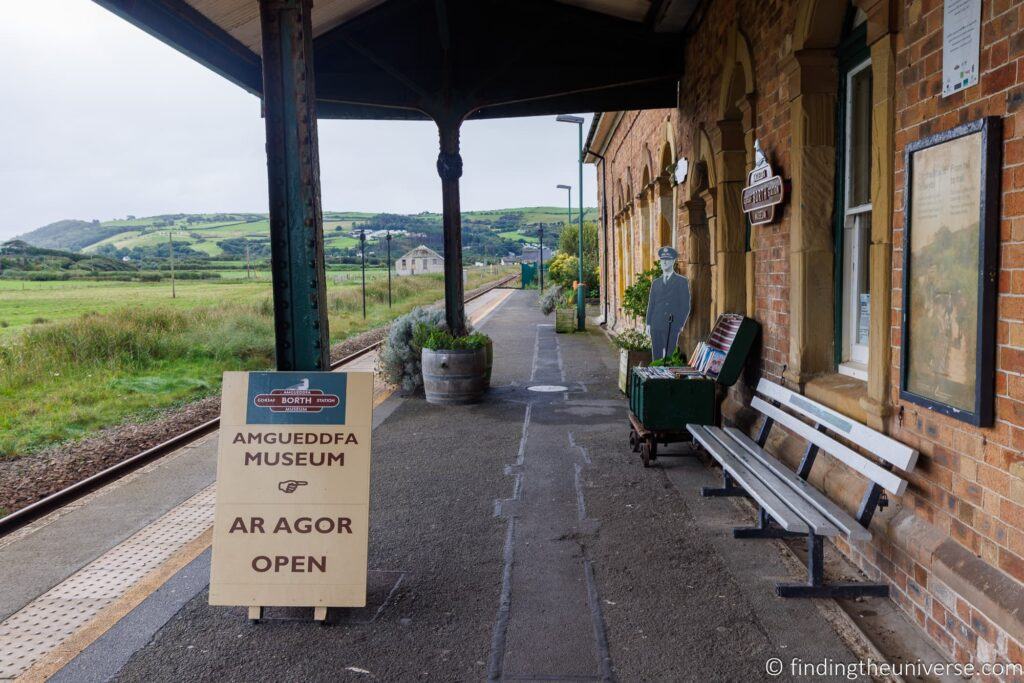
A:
(663, 400)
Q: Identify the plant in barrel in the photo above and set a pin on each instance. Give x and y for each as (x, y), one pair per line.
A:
(456, 369)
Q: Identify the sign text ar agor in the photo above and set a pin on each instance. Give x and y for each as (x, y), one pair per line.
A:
(293, 490)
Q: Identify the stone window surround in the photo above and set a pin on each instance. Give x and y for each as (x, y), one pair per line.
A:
(813, 77)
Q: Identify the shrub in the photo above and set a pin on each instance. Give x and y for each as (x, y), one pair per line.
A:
(550, 299)
(632, 340)
(400, 357)
(438, 338)
(564, 270)
(637, 294)
(674, 361)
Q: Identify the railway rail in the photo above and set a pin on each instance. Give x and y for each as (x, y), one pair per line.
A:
(28, 514)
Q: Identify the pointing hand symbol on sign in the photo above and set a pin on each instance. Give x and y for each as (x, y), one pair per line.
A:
(289, 485)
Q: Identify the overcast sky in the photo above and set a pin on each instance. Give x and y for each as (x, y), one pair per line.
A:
(99, 120)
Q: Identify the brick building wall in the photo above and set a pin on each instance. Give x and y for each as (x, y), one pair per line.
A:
(952, 548)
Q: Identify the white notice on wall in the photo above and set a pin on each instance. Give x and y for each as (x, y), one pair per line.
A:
(961, 45)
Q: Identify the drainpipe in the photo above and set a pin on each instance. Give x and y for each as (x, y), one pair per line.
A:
(604, 228)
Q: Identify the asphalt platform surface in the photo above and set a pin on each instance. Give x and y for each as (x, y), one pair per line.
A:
(516, 540)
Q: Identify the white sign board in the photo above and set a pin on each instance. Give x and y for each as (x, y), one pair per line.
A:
(293, 489)
(961, 45)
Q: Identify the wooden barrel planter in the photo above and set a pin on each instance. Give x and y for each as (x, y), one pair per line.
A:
(454, 377)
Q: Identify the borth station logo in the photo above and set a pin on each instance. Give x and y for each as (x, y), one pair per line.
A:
(298, 398)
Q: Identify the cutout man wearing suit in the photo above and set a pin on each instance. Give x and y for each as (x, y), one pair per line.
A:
(668, 306)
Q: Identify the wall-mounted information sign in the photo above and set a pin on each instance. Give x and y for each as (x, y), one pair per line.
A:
(763, 192)
(961, 44)
(293, 490)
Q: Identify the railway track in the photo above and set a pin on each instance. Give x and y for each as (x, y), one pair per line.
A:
(24, 516)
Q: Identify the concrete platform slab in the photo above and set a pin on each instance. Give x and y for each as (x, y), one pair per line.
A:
(533, 546)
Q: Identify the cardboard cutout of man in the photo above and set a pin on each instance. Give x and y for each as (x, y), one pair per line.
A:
(668, 306)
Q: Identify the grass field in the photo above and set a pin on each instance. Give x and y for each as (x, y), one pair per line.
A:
(119, 352)
(24, 303)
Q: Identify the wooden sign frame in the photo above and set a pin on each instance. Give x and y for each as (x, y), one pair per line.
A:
(293, 489)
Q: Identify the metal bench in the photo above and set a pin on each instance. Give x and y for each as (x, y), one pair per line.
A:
(788, 504)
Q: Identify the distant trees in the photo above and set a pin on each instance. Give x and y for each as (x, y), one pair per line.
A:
(234, 247)
(564, 267)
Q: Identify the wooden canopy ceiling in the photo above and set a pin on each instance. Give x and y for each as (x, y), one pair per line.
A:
(448, 59)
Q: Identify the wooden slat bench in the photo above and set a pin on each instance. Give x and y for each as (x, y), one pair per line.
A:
(788, 504)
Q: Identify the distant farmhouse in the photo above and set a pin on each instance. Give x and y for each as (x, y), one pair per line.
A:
(420, 260)
(531, 252)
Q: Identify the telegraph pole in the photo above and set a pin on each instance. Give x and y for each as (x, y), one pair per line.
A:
(247, 273)
(542, 257)
(389, 268)
(362, 256)
(170, 244)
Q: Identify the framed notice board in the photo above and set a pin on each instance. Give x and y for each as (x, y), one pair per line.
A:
(951, 271)
(293, 490)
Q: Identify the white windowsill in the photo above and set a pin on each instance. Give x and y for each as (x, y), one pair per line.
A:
(853, 369)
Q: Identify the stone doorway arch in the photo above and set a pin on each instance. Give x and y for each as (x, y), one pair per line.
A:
(666, 204)
(646, 238)
(699, 218)
(734, 133)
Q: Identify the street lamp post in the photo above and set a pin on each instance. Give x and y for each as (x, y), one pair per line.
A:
(568, 199)
(581, 317)
(362, 258)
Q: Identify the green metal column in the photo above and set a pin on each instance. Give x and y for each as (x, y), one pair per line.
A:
(449, 167)
(293, 172)
(581, 304)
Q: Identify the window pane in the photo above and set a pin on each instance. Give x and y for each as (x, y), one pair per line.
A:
(863, 278)
(856, 287)
(859, 142)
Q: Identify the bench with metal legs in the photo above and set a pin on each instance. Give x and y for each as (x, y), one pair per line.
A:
(788, 505)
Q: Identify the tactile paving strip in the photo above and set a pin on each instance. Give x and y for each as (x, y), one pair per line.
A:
(48, 621)
(42, 625)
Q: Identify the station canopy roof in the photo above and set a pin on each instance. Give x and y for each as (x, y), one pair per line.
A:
(445, 59)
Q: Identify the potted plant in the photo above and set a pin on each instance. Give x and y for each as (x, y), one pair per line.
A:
(634, 349)
(565, 312)
(454, 368)
(550, 299)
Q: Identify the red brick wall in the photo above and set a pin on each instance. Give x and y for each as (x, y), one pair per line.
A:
(968, 490)
(970, 484)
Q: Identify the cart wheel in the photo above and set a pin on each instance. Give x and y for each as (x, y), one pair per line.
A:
(647, 452)
(654, 449)
(634, 441)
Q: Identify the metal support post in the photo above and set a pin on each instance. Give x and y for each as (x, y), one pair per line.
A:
(764, 529)
(449, 167)
(728, 488)
(293, 172)
(581, 304)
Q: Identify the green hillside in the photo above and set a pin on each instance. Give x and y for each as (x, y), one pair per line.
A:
(19, 257)
(487, 235)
